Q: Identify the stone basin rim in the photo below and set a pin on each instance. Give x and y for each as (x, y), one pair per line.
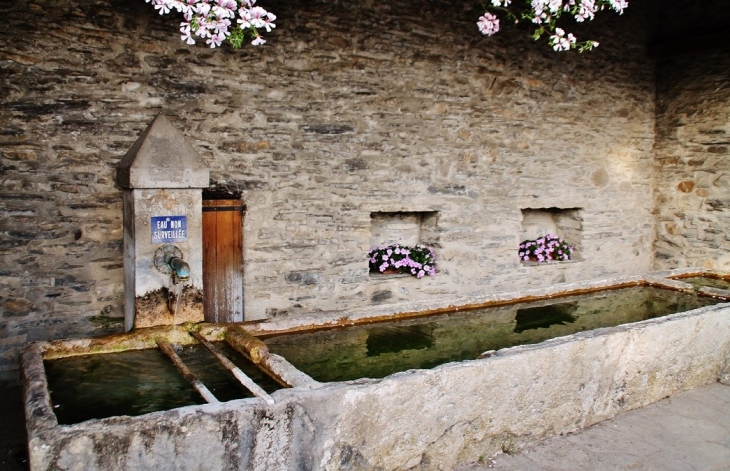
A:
(144, 338)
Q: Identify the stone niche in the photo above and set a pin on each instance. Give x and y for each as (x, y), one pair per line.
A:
(566, 223)
(404, 228)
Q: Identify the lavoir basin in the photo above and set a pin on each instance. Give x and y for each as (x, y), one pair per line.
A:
(429, 387)
(137, 382)
(378, 350)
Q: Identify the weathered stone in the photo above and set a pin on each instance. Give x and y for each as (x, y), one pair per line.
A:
(685, 84)
(448, 190)
(15, 307)
(303, 278)
(20, 154)
(328, 128)
(162, 158)
(273, 312)
(686, 186)
(600, 178)
(380, 296)
(353, 165)
(34, 108)
(163, 307)
(719, 205)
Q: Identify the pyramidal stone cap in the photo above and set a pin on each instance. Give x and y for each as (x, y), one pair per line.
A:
(162, 158)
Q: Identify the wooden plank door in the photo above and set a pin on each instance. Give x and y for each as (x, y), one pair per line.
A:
(223, 260)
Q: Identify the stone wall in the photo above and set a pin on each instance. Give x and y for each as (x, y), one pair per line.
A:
(692, 178)
(351, 109)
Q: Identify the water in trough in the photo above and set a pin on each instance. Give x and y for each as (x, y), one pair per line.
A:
(378, 350)
(706, 281)
(138, 382)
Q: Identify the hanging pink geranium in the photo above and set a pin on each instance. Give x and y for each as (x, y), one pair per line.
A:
(210, 20)
(545, 14)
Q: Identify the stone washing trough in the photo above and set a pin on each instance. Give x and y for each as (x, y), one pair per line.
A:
(417, 419)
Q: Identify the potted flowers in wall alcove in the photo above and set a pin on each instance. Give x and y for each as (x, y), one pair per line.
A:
(545, 249)
(391, 259)
(550, 235)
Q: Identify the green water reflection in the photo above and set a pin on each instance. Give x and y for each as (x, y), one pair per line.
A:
(138, 382)
(375, 351)
(126, 383)
(702, 281)
(544, 316)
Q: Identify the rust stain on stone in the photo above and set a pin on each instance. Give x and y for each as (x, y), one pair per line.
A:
(157, 307)
(686, 186)
(672, 228)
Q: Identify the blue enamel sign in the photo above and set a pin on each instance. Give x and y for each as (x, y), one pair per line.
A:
(167, 229)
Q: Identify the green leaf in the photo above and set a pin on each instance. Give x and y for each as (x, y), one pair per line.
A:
(236, 38)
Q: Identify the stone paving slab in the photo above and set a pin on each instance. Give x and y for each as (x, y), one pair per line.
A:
(688, 431)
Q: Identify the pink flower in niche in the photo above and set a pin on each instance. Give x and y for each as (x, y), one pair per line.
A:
(413, 260)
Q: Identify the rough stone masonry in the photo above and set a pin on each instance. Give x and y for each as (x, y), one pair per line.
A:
(353, 112)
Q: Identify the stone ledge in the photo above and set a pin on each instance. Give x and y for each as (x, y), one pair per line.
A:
(552, 262)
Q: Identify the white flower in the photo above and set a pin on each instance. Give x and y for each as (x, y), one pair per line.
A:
(245, 18)
(488, 24)
(162, 6)
(268, 22)
(560, 42)
(202, 9)
(215, 40)
(221, 27)
(224, 9)
(186, 33)
(203, 30)
(619, 5)
(258, 41)
(256, 17)
(586, 10)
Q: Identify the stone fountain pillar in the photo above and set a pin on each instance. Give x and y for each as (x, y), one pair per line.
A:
(162, 178)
